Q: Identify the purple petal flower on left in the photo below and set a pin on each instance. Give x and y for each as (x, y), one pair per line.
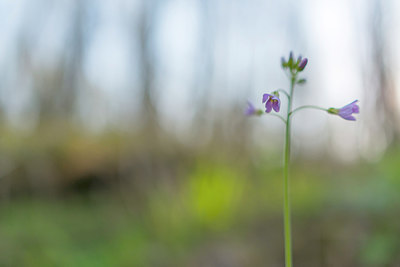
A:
(271, 102)
(347, 111)
(250, 110)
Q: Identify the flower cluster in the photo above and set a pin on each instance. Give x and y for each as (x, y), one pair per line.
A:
(292, 65)
(273, 102)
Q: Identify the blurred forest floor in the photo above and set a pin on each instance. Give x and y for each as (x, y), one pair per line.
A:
(76, 199)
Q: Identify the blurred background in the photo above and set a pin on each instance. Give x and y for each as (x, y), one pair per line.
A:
(123, 140)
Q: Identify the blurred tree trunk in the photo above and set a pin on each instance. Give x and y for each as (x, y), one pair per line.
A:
(58, 88)
(145, 33)
(204, 79)
(380, 92)
(73, 61)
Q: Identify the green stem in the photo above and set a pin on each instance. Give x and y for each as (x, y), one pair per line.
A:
(284, 92)
(307, 106)
(286, 199)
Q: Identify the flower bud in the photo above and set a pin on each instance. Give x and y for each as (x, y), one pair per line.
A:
(301, 81)
(299, 59)
(302, 64)
(290, 61)
(284, 63)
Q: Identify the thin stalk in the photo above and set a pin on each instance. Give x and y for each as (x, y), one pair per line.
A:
(286, 198)
(284, 92)
(307, 106)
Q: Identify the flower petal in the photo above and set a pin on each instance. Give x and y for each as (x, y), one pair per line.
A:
(250, 110)
(351, 104)
(268, 106)
(355, 108)
(345, 111)
(266, 97)
(276, 104)
(349, 118)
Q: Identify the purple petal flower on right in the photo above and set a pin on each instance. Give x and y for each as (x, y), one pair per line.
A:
(347, 111)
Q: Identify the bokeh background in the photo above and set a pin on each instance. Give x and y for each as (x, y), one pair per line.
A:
(123, 140)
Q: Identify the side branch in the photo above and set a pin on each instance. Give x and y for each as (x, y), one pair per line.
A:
(284, 92)
(307, 106)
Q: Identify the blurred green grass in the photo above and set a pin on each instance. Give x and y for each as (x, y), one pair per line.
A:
(214, 212)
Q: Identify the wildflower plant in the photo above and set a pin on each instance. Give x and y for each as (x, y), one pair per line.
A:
(272, 104)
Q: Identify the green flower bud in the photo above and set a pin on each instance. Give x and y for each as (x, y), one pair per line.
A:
(284, 63)
(301, 81)
(290, 61)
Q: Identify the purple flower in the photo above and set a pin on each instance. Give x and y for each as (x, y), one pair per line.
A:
(250, 110)
(271, 102)
(302, 64)
(347, 111)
